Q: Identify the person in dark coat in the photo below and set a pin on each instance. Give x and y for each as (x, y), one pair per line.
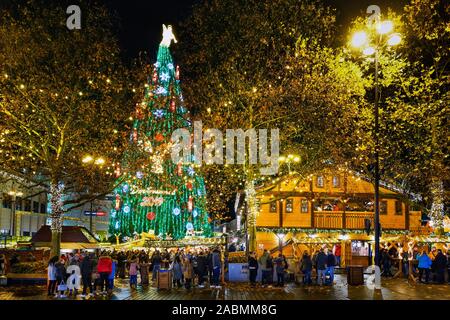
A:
(386, 262)
(121, 261)
(61, 274)
(331, 264)
(440, 263)
(86, 275)
(253, 268)
(209, 259)
(156, 264)
(202, 265)
(279, 268)
(306, 266)
(321, 261)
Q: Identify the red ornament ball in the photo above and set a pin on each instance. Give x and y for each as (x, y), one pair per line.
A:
(151, 216)
(159, 137)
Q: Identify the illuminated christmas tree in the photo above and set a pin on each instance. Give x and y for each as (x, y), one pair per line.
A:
(158, 195)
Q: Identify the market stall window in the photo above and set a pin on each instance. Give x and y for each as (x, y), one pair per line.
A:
(398, 208)
(289, 205)
(336, 182)
(383, 207)
(273, 206)
(304, 206)
(319, 182)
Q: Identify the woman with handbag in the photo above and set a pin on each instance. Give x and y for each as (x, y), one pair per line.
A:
(61, 277)
(51, 272)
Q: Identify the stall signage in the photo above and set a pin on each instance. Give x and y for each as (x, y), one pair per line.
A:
(95, 213)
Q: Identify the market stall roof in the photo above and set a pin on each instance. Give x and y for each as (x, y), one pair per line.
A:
(317, 240)
(188, 241)
(431, 239)
(72, 237)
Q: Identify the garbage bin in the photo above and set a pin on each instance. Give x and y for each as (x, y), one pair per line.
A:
(164, 279)
(355, 275)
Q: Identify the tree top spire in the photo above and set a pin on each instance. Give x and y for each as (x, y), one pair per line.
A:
(168, 36)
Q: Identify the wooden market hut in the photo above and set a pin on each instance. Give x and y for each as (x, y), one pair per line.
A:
(332, 207)
(72, 238)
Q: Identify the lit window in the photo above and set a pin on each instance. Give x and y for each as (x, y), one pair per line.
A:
(304, 206)
(289, 205)
(273, 206)
(319, 182)
(398, 208)
(336, 182)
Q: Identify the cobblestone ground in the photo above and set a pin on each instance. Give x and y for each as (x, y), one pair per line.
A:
(392, 289)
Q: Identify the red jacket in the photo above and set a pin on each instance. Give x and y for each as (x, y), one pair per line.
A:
(104, 264)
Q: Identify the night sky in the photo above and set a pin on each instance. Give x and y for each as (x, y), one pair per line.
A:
(142, 19)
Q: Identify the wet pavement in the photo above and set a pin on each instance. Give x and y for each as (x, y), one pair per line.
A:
(392, 289)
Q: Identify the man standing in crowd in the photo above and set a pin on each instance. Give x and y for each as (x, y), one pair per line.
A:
(264, 268)
(86, 275)
(321, 261)
(331, 263)
(253, 268)
(216, 268)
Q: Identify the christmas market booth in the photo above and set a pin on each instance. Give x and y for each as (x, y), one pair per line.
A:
(72, 238)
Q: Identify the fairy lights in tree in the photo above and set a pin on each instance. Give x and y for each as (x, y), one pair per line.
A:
(164, 198)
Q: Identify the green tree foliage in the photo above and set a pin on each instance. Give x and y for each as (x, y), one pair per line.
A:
(64, 94)
(269, 64)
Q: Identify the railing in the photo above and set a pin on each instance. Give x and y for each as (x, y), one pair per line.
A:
(355, 220)
(328, 220)
(336, 219)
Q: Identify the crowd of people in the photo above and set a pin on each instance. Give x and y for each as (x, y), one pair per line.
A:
(323, 263)
(432, 265)
(99, 270)
(197, 267)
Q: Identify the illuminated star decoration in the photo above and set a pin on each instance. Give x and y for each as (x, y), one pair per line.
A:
(195, 213)
(189, 226)
(176, 211)
(158, 113)
(161, 90)
(126, 209)
(164, 76)
(190, 171)
(139, 174)
(170, 66)
(117, 225)
(125, 188)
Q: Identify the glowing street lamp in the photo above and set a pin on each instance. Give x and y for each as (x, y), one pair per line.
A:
(394, 39)
(385, 27)
(361, 40)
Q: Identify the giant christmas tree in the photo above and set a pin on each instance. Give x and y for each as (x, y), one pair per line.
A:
(158, 195)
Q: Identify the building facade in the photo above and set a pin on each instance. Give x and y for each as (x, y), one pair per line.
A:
(24, 209)
(329, 209)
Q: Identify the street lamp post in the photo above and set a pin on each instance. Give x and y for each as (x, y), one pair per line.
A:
(97, 161)
(360, 39)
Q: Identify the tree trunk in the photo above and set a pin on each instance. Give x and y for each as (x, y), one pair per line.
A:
(252, 211)
(437, 205)
(56, 192)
